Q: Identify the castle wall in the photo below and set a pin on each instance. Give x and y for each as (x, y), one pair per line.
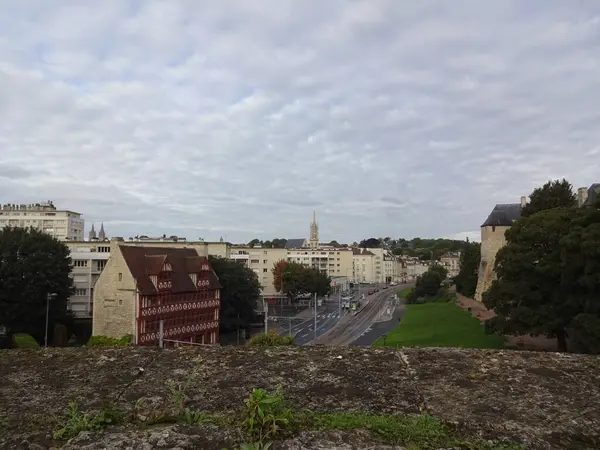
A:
(492, 240)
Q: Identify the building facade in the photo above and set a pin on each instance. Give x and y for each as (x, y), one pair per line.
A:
(88, 260)
(335, 262)
(64, 225)
(261, 261)
(451, 262)
(142, 286)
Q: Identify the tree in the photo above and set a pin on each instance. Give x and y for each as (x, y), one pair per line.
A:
(277, 271)
(298, 280)
(370, 243)
(334, 243)
(428, 284)
(553, 194)
(239, 294)
(279, 242)
(254, 242)
(466, 280)
(529, 295)
(32, 265)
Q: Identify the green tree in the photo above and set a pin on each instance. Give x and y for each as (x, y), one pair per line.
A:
(529, 295)
(299, 280)
(466, 280)
(370, 243)
(319, 282)
(279, 242)
(428, 284)
(32, 265)
(553, 194)
(254, 242)
(239, 295)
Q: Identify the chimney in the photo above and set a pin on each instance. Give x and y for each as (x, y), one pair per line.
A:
(582, 196)
(523, 201)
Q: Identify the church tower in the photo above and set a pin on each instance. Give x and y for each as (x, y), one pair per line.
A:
(101, 234)
(314, 232)
(92, 234)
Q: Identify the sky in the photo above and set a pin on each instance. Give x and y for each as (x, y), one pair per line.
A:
(237, 119)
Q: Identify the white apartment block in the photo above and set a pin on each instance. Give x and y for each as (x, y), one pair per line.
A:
(261, 261)
(376, 265)
(88, 260)
(335, 262)
(64, 225)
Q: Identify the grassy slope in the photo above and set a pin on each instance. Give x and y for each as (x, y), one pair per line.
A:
(440, 325)
(23, 340)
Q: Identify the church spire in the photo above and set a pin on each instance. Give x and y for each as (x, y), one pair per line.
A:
(314, 231)
(101, 234)
(92, 233)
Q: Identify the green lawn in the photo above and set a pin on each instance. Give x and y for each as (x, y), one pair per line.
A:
(404, 292)
(23, 340)
(442, 324)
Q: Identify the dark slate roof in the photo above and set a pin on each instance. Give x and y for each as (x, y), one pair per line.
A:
(294, 243)
(593, 192)
(146, 261)
(503, 215)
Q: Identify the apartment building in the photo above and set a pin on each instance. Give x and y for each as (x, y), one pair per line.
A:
(64, 225)
(261, 261)
(335, 262)
(88, 259)
(451, 261)
(143, 285)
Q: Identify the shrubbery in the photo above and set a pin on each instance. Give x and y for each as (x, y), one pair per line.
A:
(428, 286)
(105, 341)
(271, 339)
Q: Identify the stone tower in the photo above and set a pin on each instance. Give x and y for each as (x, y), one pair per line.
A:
(314, 232)
(92, 233)
(101, 234)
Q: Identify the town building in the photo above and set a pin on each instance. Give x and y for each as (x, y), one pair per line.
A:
(451, 261)
(363, 266)
(143, 285)
(501, 219)
(335, 262)
(88, 259)
(261, 261)
(62, 224)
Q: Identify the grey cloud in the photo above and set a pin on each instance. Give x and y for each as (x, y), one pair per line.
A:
(386, 117)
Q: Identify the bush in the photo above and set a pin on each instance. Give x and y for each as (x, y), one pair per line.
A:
(105, 341)
(271, 339)
(428, 285)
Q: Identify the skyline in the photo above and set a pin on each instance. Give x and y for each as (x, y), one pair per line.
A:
(206, 119)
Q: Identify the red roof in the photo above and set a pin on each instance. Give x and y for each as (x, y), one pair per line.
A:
(143, 262)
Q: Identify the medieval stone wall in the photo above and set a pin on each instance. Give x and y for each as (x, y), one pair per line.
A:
(492, 240)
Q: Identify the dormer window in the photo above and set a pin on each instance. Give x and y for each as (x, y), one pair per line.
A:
(167, 267)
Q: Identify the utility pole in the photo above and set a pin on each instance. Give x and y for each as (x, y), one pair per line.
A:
(340, 304)
(48, 298)
(315, 315)
(161, 333)
(266, 306)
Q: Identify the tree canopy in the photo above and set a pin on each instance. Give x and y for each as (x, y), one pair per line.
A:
(428, 284)
(275, 243)
(295, 280)
(548, 277)
(466, 280)
(239, 295)
(551, 195)
(32, 265)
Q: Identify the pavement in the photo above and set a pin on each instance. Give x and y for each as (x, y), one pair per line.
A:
(362, 326)
(378, 329)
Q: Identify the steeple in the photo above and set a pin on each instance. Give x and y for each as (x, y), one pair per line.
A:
(314, 232)
(101, 234)
(92, 233)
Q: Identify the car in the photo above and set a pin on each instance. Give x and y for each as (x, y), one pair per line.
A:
(371, 292)
(385, 287)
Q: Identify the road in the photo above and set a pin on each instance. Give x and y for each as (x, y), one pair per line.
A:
(352, 327)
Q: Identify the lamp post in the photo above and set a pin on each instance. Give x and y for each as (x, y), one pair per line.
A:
(48, 298)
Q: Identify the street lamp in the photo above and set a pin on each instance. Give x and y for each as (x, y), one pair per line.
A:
(48, 298)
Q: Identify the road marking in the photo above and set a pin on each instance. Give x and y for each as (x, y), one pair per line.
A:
(304, 335)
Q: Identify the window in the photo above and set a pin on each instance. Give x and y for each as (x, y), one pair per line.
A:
(265, 270)
(80, 263)
(80, 291)
(104, 249)
(254, 261)
(265, 261)
(120, 276)
(101, 264)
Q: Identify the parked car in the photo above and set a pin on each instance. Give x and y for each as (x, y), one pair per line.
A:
(371, 292)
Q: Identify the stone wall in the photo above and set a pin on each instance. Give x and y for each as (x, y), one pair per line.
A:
(546, 400)
(492, 240)
(114, 298)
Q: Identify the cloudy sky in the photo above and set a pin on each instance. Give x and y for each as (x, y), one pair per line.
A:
(238, 118)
